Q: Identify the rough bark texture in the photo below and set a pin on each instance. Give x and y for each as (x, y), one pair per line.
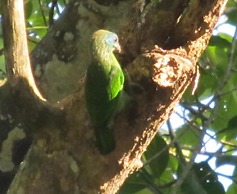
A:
(161, 44)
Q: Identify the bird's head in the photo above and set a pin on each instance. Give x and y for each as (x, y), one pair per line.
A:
(113, 41)
(107, 40)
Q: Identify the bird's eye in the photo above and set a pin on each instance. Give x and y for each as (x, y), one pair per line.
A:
(112, 39)
(115, 39)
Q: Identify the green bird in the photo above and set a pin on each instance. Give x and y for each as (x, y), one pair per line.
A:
(104, 88)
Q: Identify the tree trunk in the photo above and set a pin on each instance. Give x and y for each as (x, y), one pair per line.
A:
(161, 44)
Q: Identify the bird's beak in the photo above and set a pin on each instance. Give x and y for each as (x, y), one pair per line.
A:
(117, 47)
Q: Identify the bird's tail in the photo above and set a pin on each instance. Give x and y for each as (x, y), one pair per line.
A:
(105, 140)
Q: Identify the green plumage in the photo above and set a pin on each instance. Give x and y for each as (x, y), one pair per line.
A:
(104, 88)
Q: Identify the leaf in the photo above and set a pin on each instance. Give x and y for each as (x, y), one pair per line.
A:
(232, 189)
(218, 56)
(132, 188)
(36, 24)
(220, 40)
(201, 180)
(232, 122)
(226, 159)
(226, 106)
(226, 37)
(140, 181)
(144, 191)
(158, 155)
(28, 5)
(133, 184)
(190, 183)
(207, 83)
(208, 178)
(230, 132)
(188, 137)
(232, 15)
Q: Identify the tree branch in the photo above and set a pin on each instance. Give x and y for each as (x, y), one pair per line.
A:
(16, 50)
(66, 154)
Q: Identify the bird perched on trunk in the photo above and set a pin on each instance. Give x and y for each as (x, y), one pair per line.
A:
(104, 92)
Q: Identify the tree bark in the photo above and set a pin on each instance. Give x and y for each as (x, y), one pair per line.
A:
(161, 44)
(16, 50)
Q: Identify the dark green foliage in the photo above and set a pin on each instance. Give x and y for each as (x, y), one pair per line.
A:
(202, 180)
(155, 161)
(157, 157)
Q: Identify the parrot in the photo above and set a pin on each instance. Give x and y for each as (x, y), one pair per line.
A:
(104, 88)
